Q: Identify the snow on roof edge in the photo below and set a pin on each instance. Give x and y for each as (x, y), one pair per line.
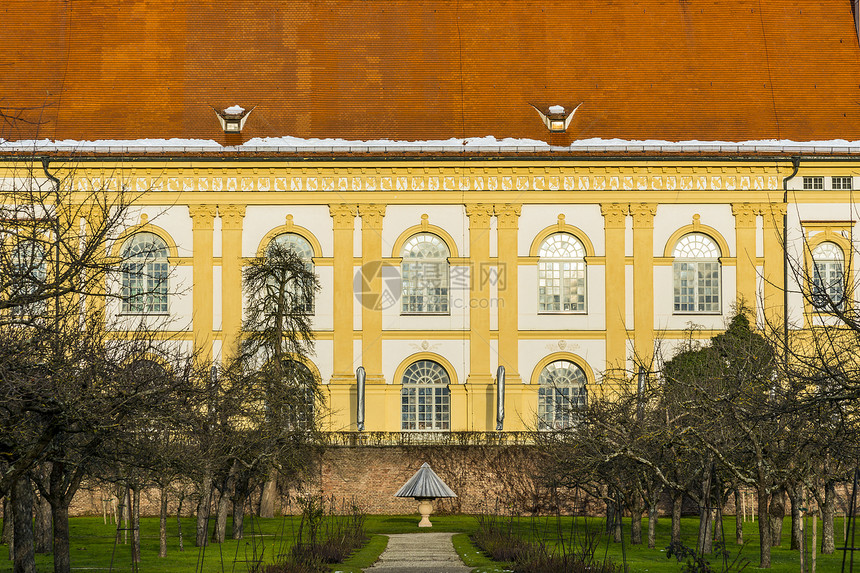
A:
(486, 144)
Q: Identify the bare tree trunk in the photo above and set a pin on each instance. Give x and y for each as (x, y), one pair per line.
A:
(828, 511)
(764, 529)
(795, 503)
(777, 515)
(708, 541)
(162, 524)
(220, 532)
(677, 504)
(718, 525)
(62, 558)
(739, 519)
(703, 542)
(6, 536)
(203, 508)
(44, 532)
(652, 524)
(610, 517)
(24, 560)
(135, 526)
(179, 523)
(267, 498)
(239, 514)
(636, 527)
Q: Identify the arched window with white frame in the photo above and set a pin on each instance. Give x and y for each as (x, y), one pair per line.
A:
(303, 249)
(425, 402)
(696, 271)
(828, 276)
(561, 274)
(424, 275)
(144, 270)
(562, 392)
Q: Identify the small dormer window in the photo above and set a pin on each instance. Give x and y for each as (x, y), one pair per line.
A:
(556, 118)
(233, 118)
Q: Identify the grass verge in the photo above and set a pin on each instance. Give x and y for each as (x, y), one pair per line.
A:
(364, 557)
(474, 557)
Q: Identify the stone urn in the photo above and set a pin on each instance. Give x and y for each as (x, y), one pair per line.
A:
(425, 486)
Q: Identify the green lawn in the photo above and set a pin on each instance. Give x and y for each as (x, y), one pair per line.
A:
(93, 544)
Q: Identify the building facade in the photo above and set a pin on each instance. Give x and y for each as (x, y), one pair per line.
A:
(397, 148)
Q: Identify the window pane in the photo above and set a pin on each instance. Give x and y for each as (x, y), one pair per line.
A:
(562, 392)
(144, 272)
(425, 399)
(425, 275)
(561, 274)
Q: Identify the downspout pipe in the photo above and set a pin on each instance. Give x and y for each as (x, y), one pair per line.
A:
(795, 164)
(855, 7)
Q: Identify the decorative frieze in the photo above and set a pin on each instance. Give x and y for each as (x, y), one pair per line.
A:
(305, 179)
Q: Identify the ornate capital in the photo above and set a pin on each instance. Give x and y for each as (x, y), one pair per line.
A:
(231, 216)
(343, 215)
(614, 215)
(745, 215)
(772, 214)
(479, 215)
(202, 216)
(508, 215)
(643, 215)
(371, 216)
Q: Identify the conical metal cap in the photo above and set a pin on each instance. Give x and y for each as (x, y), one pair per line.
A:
(425, 483)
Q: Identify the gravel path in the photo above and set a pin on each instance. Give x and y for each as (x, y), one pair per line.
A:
(419, 552)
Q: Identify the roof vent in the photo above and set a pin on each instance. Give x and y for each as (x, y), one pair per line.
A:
(556, 118)
(233, 118)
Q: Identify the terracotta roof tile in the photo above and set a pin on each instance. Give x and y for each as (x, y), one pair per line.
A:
(728, 70)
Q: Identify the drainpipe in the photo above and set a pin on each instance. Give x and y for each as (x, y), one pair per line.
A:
(855, 7)
(46, 165)
(795, 164)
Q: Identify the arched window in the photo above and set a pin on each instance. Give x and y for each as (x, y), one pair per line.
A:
(145, 372)
(303, 249)
(30, 271)
(696, 274)
(562, 392)
(424, 399)
(299, 394)
(424, 275)
(144, 274)
(828, 276)
(561, 274)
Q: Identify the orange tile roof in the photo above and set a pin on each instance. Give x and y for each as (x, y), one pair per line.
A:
(729, 70)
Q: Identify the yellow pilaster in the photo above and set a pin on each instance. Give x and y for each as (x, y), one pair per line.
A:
(745, 229)
(643, 282)
(371, 300)
(615, 224)
(507, 217)
(342, 384)
(231, 277)
(202, 219)
(459, 417)
(480, 379)
(774, 279)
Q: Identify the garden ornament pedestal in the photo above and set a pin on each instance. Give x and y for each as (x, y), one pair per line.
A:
(424, 487)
